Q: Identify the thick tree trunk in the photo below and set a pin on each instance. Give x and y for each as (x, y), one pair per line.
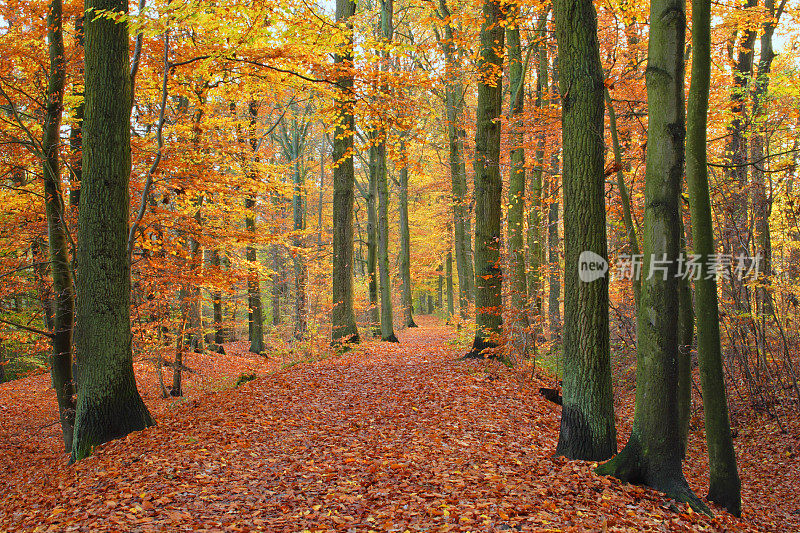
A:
(109, 405)
(587, 418)
(516, 194)
(405, 247)
(343, 318)
(725, 485)
(488, 183)
(64, 296)
(654, 451)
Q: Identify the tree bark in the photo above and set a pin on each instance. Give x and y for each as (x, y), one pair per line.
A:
(255, 309)
(343, 318)
(109, 405)
(63, 291)
(372, 243)
(405, 246)
(516, 192)
(587, 418)
(725, 484)
(488, 183)
(653, 453)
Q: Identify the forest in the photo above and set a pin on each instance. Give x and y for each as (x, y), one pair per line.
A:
(399, 265)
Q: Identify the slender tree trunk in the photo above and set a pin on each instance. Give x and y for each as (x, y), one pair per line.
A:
(109, 405)
(216, 302)
(300, 267)
(372, 243)
(405, 246)
(627, 218)
(343, 318)
(725, 485)
(587, 418)
(488, 183)
(451, 309)
(654, 451)
(255, 309)
(553, 240)
(516, 191)
(75, 133)
(63, 316)
(454, 104)
(387, 318)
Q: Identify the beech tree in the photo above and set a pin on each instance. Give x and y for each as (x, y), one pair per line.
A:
(488, 182)
(109, 405)
(587, 418)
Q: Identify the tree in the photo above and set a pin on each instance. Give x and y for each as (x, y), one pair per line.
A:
(516, 184)
(63, 314)
(343, 318)
(488, 183)
(654, 450)
(454, 104)
(109, 405)
(405, 244)
(587, 417)
(725, 485)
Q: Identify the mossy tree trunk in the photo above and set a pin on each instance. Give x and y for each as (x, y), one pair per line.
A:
(371, 198)
(343, 318)
(516, 187)
(454, 104)
(405, 245)
(488, 182)
(725, 485)
(109, 405)
(654, 450)
(587, 418)
(63, 290)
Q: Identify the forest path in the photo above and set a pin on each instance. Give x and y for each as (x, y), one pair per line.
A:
(388, 437)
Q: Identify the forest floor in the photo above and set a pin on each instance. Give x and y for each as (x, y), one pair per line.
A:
(384, 438)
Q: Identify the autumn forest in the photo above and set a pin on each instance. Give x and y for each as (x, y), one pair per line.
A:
(399, 265)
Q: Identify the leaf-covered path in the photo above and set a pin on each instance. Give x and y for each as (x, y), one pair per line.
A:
(386, 438)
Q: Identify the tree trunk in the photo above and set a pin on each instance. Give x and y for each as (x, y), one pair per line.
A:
(725, 485)
(255, 310)
(300, 267)
(653, 453)
(75, 132)
(343, 318)
(372, 243)
(454, 103)
(405, 246)
(553, 239)
(587, 418)
(451, 309)
(488, 183)
(216, 302)
(627, 218)
(109, 405)
(516, 191)
(63, 315)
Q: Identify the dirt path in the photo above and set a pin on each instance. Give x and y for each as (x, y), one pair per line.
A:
(386, 438)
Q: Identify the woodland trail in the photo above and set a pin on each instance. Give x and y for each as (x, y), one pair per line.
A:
(384, 438)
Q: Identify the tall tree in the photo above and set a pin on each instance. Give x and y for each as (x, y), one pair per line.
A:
(488, 182)
(63, 314)
(654, 450)
(553, 240)
(405, 244)
(343, 318)
(387, 318)
(587, 417)
(516, 184)
(725, 485)
(454, 104)
(109, 405)
(255, 313)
